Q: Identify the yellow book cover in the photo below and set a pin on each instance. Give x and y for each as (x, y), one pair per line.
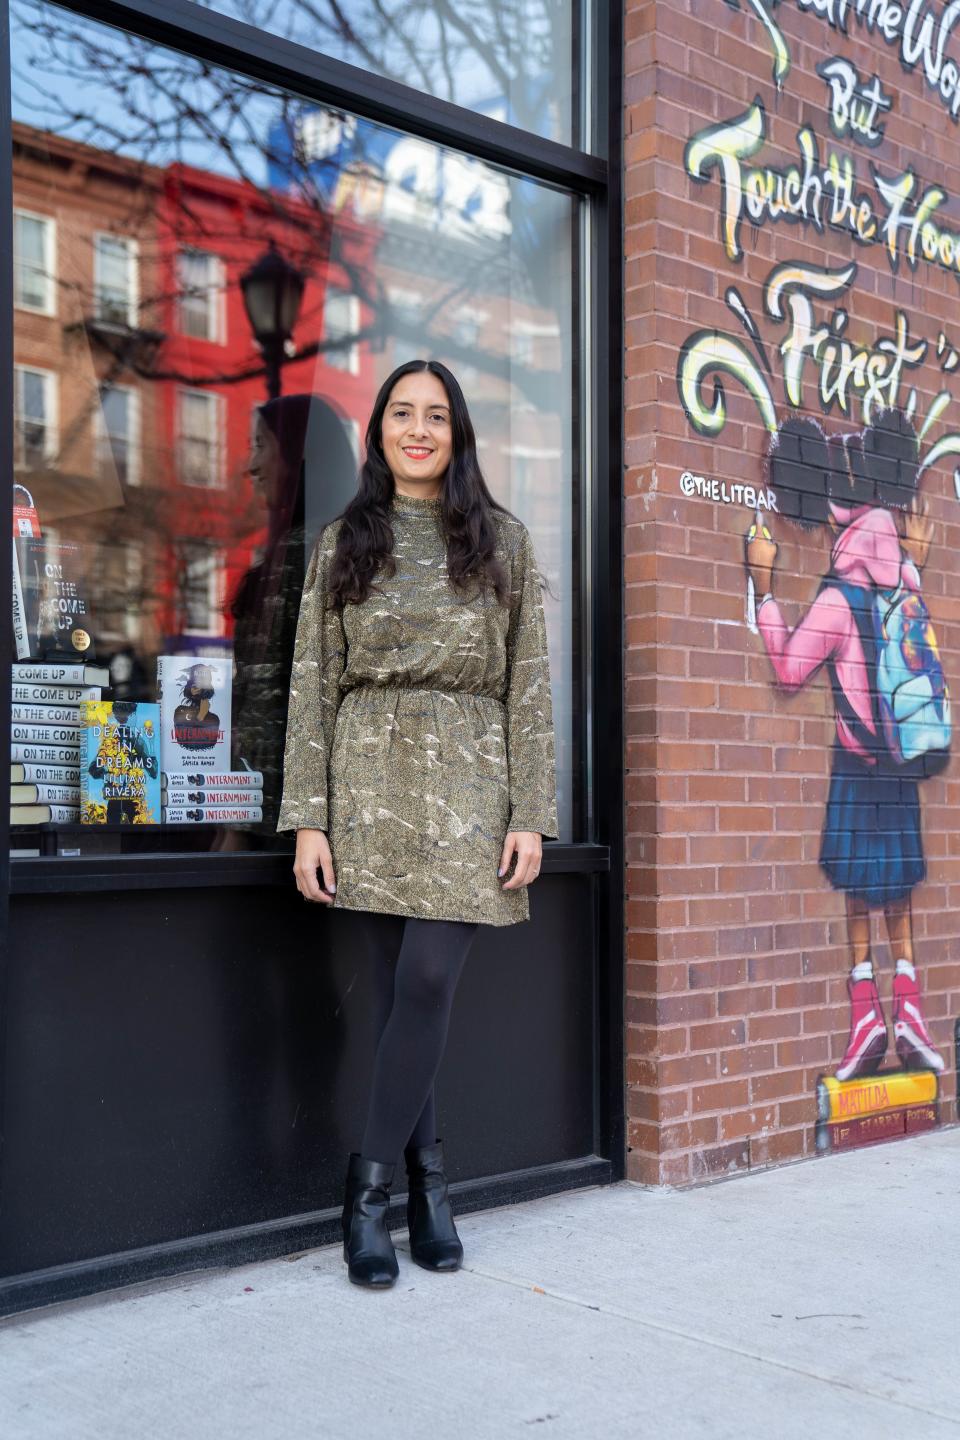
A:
(119, 763)
(874, 1094)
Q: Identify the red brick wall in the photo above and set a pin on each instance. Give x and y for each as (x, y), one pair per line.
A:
(737, 945)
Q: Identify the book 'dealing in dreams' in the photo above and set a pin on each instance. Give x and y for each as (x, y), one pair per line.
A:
(195, 699)
(119, 763)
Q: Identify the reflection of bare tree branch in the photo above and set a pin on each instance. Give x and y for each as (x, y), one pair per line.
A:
(126, 95)
(448, 16)
(341, 27)
(493, 45)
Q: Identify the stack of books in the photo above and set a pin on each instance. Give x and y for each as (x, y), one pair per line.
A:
(45, 739)
(229, 797)
(198, 786)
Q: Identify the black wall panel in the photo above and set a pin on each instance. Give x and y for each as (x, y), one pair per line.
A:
(180, 1062)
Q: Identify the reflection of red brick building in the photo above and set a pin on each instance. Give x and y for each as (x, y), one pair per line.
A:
(83, 267)
(211, 229)
(137, 373)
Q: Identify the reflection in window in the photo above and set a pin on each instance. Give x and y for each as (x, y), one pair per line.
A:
(34, 248)
(201, 292)
(201, 587)
(35, 414)
(120, 568)
(407, 308)
(201, 427)
(513, 60)
(341, 320)
(115, 279)
(466, 327)
(117, 441)
(150, 439)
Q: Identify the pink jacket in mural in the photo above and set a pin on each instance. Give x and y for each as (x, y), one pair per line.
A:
(868, 554)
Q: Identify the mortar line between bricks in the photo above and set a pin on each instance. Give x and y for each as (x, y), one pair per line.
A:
(604, 1309)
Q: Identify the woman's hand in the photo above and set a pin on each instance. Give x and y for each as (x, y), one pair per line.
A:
(528, 845)
(313, 854)
(917, 531)
(761, 556)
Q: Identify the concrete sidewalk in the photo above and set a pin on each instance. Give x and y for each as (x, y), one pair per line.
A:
(816, 1300)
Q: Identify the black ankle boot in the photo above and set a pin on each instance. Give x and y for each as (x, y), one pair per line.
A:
(367, 1247)
(434, 1242)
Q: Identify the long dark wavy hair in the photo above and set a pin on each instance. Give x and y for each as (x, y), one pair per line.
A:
(365, 541)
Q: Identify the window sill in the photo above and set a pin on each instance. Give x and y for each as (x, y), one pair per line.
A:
(84, 874)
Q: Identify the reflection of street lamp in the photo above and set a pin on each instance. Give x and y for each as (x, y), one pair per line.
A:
(272, 292)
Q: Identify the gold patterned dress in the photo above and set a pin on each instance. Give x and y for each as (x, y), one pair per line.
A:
(420, 727)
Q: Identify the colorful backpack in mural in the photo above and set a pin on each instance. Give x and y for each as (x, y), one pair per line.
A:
(911, 700)
(912, 693)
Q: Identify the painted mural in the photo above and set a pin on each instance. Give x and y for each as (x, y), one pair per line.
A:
(853, 469)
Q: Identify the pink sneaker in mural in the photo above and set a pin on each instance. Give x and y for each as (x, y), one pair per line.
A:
(867, 1044)
(914, 1042)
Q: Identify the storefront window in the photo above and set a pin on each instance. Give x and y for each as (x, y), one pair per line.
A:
(151, 570)
(510, 59)
(35, 406)
(118, 432)
(115, 279)
(200, 283)
(33, 262)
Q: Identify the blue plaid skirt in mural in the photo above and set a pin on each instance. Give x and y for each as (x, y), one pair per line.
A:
(871, 846)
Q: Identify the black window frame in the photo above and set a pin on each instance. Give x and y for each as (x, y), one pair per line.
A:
(592, 177)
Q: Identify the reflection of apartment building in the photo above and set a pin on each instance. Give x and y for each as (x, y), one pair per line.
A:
(211, 230)
(84, 420)
(464, 275)
(137, 374)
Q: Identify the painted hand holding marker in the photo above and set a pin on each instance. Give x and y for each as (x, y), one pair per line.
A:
(758, 530)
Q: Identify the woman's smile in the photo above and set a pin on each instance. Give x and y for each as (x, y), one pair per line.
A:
(416, 432)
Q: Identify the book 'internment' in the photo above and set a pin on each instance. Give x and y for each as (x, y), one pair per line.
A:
(195, 699)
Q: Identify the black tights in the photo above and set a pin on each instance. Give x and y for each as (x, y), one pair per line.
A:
(416, 965)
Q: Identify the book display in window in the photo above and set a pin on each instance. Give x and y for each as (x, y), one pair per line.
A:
(195, 698)
(219, 798)
(245, 781)
(212, 815)
(204, 795)
(45, 740)
(119, 763)
(51, 609)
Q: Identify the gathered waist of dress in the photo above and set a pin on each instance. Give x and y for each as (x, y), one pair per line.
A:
(403, 685)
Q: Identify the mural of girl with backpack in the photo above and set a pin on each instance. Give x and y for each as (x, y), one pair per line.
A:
(869, 627)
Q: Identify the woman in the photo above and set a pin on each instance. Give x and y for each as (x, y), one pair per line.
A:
(419, 765)
(267, 600)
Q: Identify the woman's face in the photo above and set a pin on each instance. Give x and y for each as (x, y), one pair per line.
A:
(417, 434)
(266, 463)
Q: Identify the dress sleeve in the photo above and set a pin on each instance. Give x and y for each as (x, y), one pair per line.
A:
(531, 747)
(319, 659)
